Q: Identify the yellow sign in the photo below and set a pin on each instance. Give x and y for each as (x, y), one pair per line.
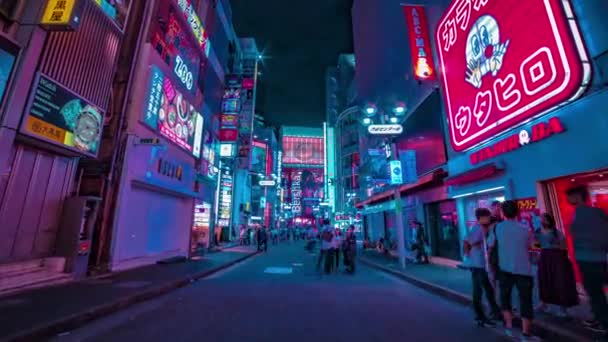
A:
(58, 12)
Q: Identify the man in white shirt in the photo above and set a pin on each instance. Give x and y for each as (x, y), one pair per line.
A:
(326, 246)
(515, 269)
(475, 252)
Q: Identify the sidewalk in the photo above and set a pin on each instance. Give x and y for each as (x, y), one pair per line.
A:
(455, 284)
(43, 312)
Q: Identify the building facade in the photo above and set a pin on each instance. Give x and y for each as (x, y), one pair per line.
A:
(508, 152)
(56, 97)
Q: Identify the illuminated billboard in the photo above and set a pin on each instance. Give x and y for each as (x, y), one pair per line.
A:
(303, 150)
(304, 189)
(258, 157)
(506, 62)
(168, 113)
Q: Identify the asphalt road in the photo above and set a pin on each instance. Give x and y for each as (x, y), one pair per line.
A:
(245, 303)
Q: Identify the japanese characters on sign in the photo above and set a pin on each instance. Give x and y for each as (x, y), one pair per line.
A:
(513, 142)
(169, 113)
(506, 61)
(420, 43)
(61, 14)
(59, 116)
(385, 129)
(195, 24)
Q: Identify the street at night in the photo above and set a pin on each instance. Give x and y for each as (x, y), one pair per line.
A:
(246, 303)
(449, 156)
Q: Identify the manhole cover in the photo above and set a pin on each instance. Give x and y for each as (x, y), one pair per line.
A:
(297, 264)
(279, 270)
(132, 284)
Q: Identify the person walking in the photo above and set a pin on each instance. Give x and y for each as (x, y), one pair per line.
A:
(326, 246)
(556, 283)
(350, 248)
(590, 239)
(336, 249)
(510, 243)
(420, 243)
(475, 251)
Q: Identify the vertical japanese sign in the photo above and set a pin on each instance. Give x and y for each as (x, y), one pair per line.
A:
(505, 62)
(61, 14)
(420, 43)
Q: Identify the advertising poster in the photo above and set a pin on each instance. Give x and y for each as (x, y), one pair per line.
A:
(225, 198)
(57, 115)
(529, 214)
(258, 157)
(168, 113)
(303, 150)
(305, 190)
(8, 56)
(499, 73)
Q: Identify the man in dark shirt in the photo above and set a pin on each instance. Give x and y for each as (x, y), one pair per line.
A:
(590, 239)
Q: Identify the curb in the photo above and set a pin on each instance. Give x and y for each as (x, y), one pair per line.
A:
(79, 319)
(547, 331)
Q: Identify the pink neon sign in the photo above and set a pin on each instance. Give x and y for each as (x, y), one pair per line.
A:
(506, 61)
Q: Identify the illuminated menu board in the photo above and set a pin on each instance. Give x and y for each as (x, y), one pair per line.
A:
(59, 116)
(168, 112)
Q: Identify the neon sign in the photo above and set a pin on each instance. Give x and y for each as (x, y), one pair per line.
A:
(195, 24)
(506, 62)
(182, 71)
(420, 44)
(385, 129)
(513, 142)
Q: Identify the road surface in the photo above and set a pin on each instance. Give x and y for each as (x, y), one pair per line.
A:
(291, 303)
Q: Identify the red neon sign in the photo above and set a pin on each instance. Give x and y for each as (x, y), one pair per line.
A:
(228, 134)
(513, 142)
(420, 43)
(506, 61)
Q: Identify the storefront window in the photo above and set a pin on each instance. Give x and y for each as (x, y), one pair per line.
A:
(479, 201)
(200, 227)
(8, 55)
(443, 229)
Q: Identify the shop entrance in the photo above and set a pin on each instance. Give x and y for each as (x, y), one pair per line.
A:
(443, 227)
(557, 201)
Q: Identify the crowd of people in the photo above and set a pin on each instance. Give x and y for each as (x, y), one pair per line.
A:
(500, 253)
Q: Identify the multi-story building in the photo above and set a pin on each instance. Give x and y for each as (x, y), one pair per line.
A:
(302, 173)
(56, 101)
(505, 121)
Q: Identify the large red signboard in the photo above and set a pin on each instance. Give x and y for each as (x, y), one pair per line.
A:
(506, 61)
(420, 44)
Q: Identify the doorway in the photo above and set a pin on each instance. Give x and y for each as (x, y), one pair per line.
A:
(442, 222)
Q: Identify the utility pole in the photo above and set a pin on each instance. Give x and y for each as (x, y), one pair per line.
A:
(398, 212)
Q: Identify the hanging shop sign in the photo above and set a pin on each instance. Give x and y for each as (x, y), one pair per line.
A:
(228, 121)
(8, 57)
(396, 172)
(499, 72)
(267, 183)
(116, 10)
(228, 135)
(61, 15)
(168, 113)
(420, 43)
(392, 129)
(195, 24)
(225, 197)
(61, 117)
(175, 48)
(227, 150)
(538, 132)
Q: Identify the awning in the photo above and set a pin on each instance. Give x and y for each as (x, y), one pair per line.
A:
(427, 179)
(474, 175)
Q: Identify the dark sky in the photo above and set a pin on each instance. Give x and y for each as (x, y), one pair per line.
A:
(302, 39)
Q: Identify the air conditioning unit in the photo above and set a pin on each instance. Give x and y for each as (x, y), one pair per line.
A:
(12, 9)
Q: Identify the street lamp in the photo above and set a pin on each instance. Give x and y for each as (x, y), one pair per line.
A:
(367, 121)
(394, 119)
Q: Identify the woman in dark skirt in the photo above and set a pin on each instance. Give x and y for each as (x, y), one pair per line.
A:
(556, 280)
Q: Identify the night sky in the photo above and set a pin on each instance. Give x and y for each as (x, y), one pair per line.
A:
(302, 39)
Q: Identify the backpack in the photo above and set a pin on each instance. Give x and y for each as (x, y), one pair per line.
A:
(327, 236)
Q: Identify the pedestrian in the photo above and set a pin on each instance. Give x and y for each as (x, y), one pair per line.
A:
(590, 239)
(475, 251)
(350, 248)
(556, 283)
(242, 235)
(496, 211)
(337, 248)
(420, 243)
(510, 243)
(326, 246)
